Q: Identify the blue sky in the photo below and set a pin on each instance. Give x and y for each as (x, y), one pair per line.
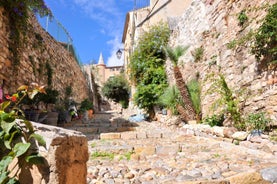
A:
(95, 26)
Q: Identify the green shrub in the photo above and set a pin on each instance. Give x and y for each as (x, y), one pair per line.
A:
(228, 103)
(266, 38)
(170, 99)
(242, 18)
(117, 89)
(214, 120)
(147, 68)
(86, 104)
(257, 121)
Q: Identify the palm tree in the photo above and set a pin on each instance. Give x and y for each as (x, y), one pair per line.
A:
(187, 113)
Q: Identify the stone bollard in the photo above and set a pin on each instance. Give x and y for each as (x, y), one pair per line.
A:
(65, 157)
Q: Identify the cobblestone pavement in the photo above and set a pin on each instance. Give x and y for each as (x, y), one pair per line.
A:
(152, 153)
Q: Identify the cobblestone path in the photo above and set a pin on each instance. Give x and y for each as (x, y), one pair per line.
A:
(150, 153)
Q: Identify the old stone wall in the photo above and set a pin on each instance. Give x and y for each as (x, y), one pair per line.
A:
(212, 24)
(39, 53)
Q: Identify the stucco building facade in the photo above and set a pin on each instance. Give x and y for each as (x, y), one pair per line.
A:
(140, 20)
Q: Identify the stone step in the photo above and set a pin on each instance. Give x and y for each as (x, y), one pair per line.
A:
(101, 130)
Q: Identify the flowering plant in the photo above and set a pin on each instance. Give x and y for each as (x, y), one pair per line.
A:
(17, 135)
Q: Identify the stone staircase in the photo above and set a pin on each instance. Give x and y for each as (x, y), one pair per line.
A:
(101, 124)
(124, 152)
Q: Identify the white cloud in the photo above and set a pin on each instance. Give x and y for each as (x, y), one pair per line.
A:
(105, 13)
(111, 19)
(113, 60)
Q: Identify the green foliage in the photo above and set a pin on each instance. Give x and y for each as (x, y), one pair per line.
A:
(117, 89)
(17, 135)
(50, 97)
(175, 53)
(86, 104)
(68, 91)
(194, 93)
(18, 13)
(241, 41)
(170, 99)
(98, 154)
(198, 54)
(147, 66)
(214, 120)
(257, 121)
(49, 73)
(147, 96)
(128, 155)
(242, 18)
(227, 101)
(265, 44)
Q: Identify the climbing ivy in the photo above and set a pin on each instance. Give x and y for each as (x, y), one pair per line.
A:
(49, 73)
(18, 13)
(265, 44)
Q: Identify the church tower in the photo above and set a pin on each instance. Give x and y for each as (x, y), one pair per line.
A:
(101, 70)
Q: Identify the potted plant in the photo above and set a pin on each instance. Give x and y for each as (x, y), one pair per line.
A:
(86, 108)
(49, 99)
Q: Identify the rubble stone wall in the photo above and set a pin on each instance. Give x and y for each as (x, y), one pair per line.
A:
(39, 49)
(212, 24)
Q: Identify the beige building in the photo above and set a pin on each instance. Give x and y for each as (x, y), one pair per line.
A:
(139, 21)
(101, 72)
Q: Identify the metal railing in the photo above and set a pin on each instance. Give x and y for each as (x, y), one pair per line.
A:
(60, 34)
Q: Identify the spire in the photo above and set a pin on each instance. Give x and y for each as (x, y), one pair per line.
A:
(101, 60)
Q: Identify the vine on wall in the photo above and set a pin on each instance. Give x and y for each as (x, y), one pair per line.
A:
(18, 13)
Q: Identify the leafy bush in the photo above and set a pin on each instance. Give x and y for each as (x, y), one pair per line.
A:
(214, 120)
(117, 89)
(227, 101)
(242, 18)
(147, 67)
(170, 99)
(86, 104)
(265, 44)
(50, 97)
(17, 136)
(257, 121)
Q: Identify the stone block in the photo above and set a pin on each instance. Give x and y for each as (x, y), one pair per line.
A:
(125, 129)
(247, 178)
(154, 134)
(270, 174)
(240, 136)
(145, 149)
(167, 149)
(110, 136)
(218, 131)
(66, 151)
(128, 135)
(141, 135)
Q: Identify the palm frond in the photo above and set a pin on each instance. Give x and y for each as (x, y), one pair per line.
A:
(175, 53)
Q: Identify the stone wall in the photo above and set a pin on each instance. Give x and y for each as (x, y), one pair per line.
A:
(212, 24)
(39, 48)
